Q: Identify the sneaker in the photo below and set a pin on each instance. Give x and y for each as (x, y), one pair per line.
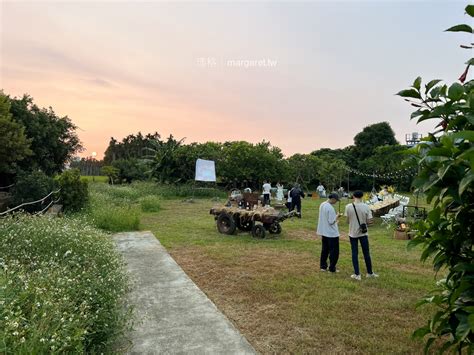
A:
(356, 277)
(372, 275)
(333, 272)
(324, 270)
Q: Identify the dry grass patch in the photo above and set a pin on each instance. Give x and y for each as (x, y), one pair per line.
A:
(281, 301)
(231, 285)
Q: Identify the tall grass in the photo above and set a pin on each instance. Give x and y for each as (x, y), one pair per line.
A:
(113, 211)
(150, 203)
(62, 287)
(117, 208)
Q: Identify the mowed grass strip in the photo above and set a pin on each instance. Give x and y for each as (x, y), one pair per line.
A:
(274, 293)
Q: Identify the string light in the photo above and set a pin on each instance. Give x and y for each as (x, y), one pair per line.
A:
(403, 173)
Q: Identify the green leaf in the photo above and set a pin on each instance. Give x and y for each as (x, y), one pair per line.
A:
(465, 182)
(409, 93)
(421, 332)
(460, 28)
(470, 320)
(470, 10)
(455, 91)
(463, 328)
(431, 84)
(468, 135)
(444, 152)
(417, 83)
(428, 344)
(470, 61)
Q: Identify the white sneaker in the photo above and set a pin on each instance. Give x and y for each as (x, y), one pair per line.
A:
(324, 270)
(356, 277)
(372, 275)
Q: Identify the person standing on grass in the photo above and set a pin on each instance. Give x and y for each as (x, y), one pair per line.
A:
(321, 190)
(329, 232)
(296, 194)
(266, 192)
(359, 216)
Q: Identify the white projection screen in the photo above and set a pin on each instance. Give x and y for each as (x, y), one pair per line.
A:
(205, 170)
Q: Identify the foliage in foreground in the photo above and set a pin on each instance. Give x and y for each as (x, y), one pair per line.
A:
(447, 177)
(61, 287)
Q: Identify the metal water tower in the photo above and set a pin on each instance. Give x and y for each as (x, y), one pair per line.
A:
(413, 139)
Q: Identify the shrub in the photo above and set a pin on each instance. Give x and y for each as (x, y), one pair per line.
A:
(74, 191)
(32, 186)
(446, 176)
(150, 203)
(62, 287)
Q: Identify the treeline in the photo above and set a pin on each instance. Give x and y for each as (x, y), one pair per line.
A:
(34, 139)
(241, 164)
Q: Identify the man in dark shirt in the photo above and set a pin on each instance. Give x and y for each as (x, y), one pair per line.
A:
(296, 194)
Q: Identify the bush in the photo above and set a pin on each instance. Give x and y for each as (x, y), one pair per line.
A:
(74, 191)
(129, 170)
(63, 287)
(32, 186)
(150, 203)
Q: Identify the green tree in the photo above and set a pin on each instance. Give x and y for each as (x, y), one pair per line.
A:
(371, 137)
(344, 154)
(162, 160)
(132, 146)
(385, 161)
(14, 146)
(447, 178)
(111, 172)
(53, 139)
(130, 170)
(250, 164)
(304, 169)
(331, 173)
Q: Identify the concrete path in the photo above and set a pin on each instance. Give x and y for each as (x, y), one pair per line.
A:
(173, 315)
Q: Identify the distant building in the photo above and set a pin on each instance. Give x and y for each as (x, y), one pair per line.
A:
(413, 139)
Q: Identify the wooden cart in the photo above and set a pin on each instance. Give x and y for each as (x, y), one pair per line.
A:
(258, 221)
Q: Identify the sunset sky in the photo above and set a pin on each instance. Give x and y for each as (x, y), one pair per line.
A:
(300, 75)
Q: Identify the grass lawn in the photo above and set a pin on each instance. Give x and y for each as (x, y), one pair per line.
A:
(91, 178)
(274, 293)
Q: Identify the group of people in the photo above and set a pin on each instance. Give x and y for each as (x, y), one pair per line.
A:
(293, 200)
(359, 216)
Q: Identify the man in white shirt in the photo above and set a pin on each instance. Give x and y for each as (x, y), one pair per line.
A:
(329, 232)
(358, 213)
(266, 192)
(321, 190)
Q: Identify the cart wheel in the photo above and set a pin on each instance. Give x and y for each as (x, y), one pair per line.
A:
(275, 228)
(258, 231)
(244, 226)
(225, 224)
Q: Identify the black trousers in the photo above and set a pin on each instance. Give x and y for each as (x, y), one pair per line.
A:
(296, 204)
(266, 199)
(330, 248)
